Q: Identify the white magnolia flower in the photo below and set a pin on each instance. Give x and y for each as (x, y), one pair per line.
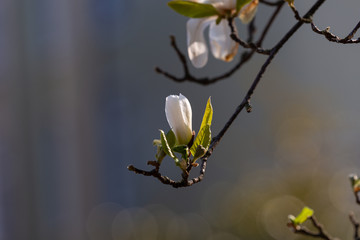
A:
(179, 116)
(222, 46)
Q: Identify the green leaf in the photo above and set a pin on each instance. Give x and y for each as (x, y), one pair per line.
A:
(193, 9)
(208, 114)
(199, 152)
(303, 216)
(157, 142)
(241, 3)
(184, 150)
(218, 20)
(160, 154)
(170, 137)
(183, 164)
(166, 148)
(207, 137)
(181, 149)
(203, 138)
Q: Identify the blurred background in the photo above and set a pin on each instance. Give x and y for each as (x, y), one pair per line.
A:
(80, 101)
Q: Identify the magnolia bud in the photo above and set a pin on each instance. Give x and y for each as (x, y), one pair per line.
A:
(179, 116)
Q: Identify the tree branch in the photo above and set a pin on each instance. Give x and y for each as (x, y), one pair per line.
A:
(326, 32)
(297, 15)
(246, 100)
(357, 197)
(251, 30)
(244, 104)
(333, 38)
(187, 76)
(251, 45)
(184, 182)
(356, 225)
(272, 3)
(299, 229)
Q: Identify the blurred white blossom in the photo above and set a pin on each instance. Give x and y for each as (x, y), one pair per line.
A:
(222, 46)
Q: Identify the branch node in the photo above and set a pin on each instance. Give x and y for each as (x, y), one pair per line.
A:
(242, 43)
(248, 107)
(131, 168)
(321, 232)
(333, 38)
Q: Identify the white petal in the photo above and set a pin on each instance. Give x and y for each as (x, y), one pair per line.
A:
(197, 50)
(222, 46)
(186, 111)
(172, 110)
(248, 12)
(179, 116)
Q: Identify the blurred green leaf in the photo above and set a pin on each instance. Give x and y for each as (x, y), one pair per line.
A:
(193, 9)
(303, 216)
(157, 142)
(218, 20)
(241, 3)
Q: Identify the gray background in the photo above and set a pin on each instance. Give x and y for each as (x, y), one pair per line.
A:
(80, 101)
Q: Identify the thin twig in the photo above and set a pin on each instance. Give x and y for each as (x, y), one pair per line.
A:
(270, 22)
(182, 58)
(333, 38)
(297, 15)
(184, 182)
(257, 79)
(356, 225)
(245, 56)
(242, 43)
(326, 32)
(352, 33)
(251, 30)
(357, 197)
(272, 3)
(320, 234)
(244, 104)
